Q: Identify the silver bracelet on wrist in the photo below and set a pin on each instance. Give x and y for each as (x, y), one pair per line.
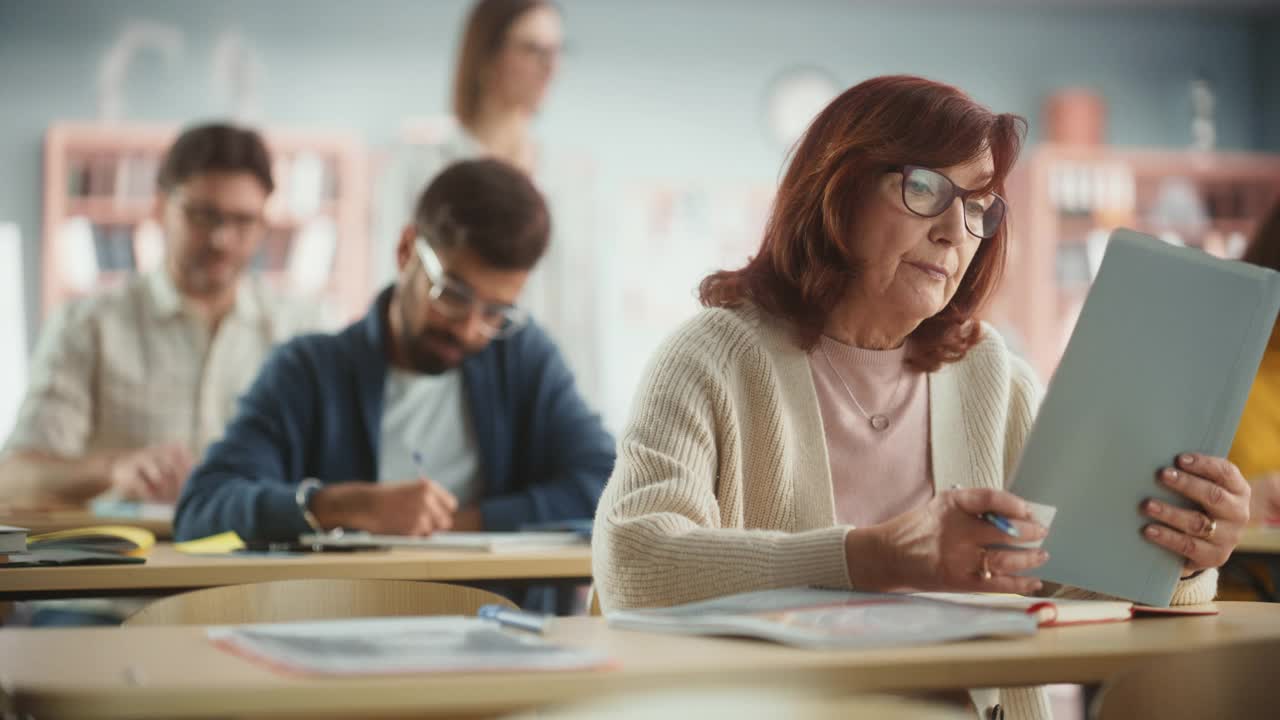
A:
(306, 489)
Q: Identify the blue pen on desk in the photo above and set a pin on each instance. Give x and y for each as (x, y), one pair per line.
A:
(1002, 523)
(533, 622)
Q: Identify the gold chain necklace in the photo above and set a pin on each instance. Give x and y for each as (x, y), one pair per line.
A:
(879, 421)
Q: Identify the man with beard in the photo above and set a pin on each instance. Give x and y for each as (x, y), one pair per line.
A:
(445, 408)
(130, 384)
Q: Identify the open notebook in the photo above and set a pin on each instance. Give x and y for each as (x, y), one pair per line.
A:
(118, 539)
(830, 619)
(1053, 612)
(491, 542)
(1160, 363)
(96, 545)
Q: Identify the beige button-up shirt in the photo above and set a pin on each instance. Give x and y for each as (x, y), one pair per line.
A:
(133, 366)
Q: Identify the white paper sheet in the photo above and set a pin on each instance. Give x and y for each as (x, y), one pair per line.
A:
(376, 646)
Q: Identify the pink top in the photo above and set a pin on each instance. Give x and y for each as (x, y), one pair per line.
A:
(875, 474)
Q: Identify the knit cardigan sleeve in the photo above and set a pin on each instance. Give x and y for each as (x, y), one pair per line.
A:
(669, 528)
(1026, 395)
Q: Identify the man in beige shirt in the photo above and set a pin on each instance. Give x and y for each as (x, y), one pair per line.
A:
(130, 385)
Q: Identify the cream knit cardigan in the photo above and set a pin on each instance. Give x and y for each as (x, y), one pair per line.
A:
(723, 485)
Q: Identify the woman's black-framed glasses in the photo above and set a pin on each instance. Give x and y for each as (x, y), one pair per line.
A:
(456, 301)
(928, 193)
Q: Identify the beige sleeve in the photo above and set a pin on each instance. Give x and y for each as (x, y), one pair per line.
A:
(661, 534)
(57, 411)
(1025, 394)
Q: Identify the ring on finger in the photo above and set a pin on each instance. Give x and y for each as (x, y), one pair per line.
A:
(984, 572)
(1210, 529)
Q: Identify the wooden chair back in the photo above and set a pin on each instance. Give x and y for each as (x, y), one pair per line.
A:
(313, 599)
(593, 602)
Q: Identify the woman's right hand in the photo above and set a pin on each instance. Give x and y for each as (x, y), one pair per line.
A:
(154, 473)
(941, 546)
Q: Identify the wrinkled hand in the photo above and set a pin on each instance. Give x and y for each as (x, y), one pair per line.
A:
(153, 473)
(1264, 504)
(417, 507)
(941, 546)
(1206, 536)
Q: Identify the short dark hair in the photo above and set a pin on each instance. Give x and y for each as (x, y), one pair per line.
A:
(215, 147)
(488, 207)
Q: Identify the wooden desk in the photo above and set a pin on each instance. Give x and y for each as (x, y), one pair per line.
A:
(168, 571)
(175, 672)
(43, 521)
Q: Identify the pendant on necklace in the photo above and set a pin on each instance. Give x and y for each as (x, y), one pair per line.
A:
(879, 422)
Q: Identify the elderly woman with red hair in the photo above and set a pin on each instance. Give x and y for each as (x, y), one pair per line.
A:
(837, 416)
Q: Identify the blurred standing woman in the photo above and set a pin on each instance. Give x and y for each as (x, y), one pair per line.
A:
(508, 57)
(1256, 449)
(836, 416)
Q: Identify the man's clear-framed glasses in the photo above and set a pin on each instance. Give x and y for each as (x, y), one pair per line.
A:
(208, 219)
(455, 301)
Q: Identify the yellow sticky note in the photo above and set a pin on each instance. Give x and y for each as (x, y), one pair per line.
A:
(225, 542)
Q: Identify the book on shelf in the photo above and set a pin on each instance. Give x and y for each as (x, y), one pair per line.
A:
(113, 246)
(107, 188)
(79, 253)
(126, 178)
(310, 260)
(831, 619)
(135, 181)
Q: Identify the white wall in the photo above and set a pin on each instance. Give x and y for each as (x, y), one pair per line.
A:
(658, 92)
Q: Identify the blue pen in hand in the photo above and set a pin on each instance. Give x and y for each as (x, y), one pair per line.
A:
(420, 464)
(533, 622)
(1001, 523)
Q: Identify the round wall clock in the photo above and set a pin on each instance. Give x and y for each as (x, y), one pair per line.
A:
(794, 97)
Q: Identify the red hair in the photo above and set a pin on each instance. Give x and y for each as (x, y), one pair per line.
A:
(807, 260)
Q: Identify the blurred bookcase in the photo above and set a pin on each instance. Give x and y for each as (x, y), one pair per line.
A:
(99, 225)
(1066, 199)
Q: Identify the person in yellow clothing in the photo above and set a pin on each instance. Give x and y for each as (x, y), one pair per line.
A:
(1256, 450)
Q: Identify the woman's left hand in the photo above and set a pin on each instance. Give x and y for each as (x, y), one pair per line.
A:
(1205, 536)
